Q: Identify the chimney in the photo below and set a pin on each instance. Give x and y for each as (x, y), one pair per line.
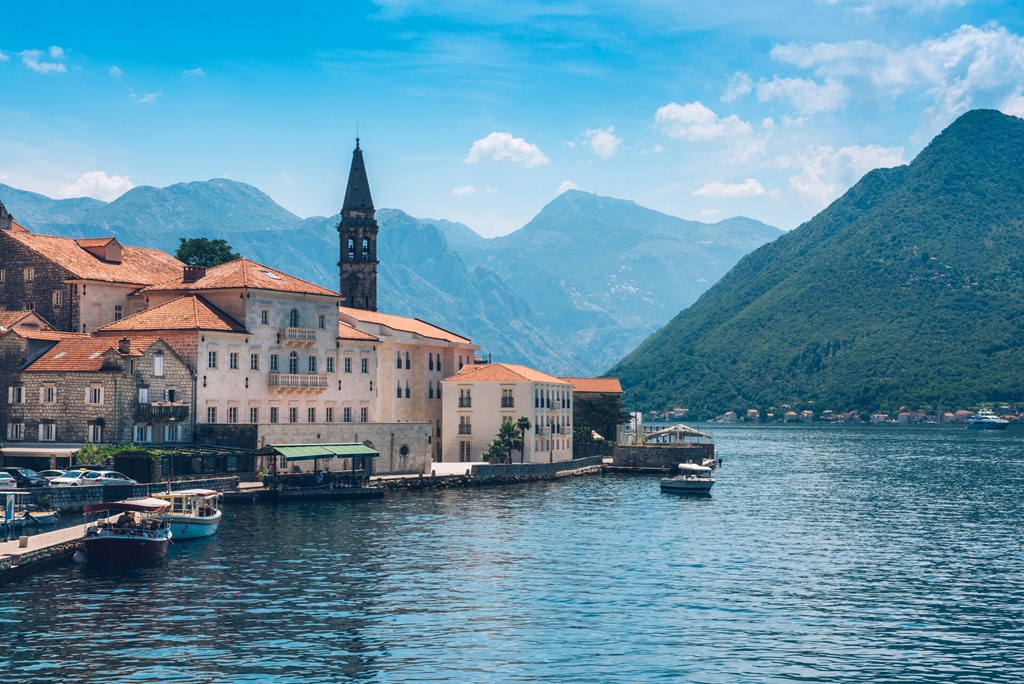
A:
(194, 273)
(5, 218)
(124, 346)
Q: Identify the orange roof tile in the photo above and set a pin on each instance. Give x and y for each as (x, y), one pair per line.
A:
(347, 332)
(18, 228)
(596, 385)
(138, 266)
(85, 354)
(412, 325)
(11, 318)
(95, 242)
(242, 273)
(184, 313)
(503, 372)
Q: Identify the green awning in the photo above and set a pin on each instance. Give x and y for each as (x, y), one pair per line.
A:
(310, 452)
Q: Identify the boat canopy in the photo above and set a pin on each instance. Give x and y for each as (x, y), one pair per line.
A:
(181, 493)
(311, 452)
(693, 468)
(677, 431)
(147, 505)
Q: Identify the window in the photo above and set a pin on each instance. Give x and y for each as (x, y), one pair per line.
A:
(273, 363)
(430, 361)
(430, 389)
(366, 249)
(398, 390)
(293, 318)
(438, 363)
(464, 452)
(95, 433)
(29, 306)
(233, 360)
(273, 414)
(312, 364)
(173, 433)
(94, 395)
(465, 399)
(348, 364)
(211, 359)
(507, 400)
(438, 389)
(143, 395)
(16, 395)
(254, 414)
(30, 274)
(346, 414)
(15, 431)
(211, 414)
(264, 317)
(170, 395)
(322, 321)
(408, 364)
(329, 414)
(3, 276)
(118, 312)
(465, 425)
(311, 415)
(364, 365)
(232, 414)
(293, 363)
(293, 415)
(398, 359)
(48, 395)
(142, 434)
(407, 395)
(330, 364)
(254, 362)
(158, 365)
(364, 414)
(47, 432)
(351, 250)
(58, 298)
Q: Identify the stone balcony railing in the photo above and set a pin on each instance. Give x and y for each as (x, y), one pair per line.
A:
(161, 410)
(316, 382)
(301, 335)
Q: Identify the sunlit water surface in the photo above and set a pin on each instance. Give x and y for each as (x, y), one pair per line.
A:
(825, 554)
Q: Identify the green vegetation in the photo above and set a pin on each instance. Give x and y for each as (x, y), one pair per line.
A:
(602, 414)
(908, 290)
(205, 252)
(511, 437)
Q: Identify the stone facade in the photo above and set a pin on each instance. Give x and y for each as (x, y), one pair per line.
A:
(661, 456)
(404, 447)
(30, 281)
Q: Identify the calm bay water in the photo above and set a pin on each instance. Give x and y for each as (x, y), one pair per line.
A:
(825, 554)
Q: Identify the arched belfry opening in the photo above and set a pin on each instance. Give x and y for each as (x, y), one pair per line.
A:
(358, 233)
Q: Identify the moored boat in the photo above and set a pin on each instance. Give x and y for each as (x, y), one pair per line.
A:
(985, 419)
(136, 535)
(692, 479)
(193, 513)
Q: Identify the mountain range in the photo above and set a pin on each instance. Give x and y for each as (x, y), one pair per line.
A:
(569, 293)
(907, 290)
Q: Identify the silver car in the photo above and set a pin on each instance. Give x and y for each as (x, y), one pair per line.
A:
(74, 478)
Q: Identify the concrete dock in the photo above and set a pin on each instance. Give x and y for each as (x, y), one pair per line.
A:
(41, 549)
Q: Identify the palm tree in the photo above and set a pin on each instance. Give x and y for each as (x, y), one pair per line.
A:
(523, 424)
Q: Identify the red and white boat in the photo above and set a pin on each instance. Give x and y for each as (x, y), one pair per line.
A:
(130, 531)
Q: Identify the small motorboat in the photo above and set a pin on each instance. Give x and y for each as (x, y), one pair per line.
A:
(130, 531)
(985, 419)
(24, 516)
(692, 479)
(193, 513)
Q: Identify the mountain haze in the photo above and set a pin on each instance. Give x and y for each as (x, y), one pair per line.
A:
(909, 289)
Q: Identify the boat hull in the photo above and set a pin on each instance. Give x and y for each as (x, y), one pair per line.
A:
(124, 550)
(985, 425)
(189, 527)
(687, 486)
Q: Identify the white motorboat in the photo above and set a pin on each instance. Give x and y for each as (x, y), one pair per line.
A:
(194, 513)
(692, 479)
(985, 419)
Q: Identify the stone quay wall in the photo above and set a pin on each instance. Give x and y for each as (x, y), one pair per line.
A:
(661, 456)
(76, 498)
(508, 472)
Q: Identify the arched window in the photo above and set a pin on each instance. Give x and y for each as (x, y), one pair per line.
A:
(293, 319)
(351, 249)
(293, 363)
(366, 249)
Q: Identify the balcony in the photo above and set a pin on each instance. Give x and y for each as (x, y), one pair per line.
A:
(161, 411)
(508, 402)
(299, 335)
(315, 382)
(466, 429)
(465, 402)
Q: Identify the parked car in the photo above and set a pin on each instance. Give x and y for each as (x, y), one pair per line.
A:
(75, 477)
(25, 477)
(7, 482)
(107, 477)
(50, 474)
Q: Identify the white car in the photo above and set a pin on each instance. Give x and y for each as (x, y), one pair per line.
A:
(109, 477)
(74, 478)
(7, 482)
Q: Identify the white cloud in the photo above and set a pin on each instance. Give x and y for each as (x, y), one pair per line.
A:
(739, 86)
(504, 147)
(748, 188)
(602, 141)
(693, 121)
(4, 57)
(194, 72)
(98, 185)
(656, 148)
(1013, 105)
(825, 173)
(708, 213)
(566, 185)
(464, 190)
(805, 95)
(768, 123)
(879, 6)
(31, 59)
(148, 98)
(115, 71)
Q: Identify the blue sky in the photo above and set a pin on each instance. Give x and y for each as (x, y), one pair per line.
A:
(483, 112)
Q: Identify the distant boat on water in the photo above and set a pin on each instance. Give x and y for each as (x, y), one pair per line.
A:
(985, 419)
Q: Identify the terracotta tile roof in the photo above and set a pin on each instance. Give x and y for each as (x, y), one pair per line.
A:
(48, 334)
(347, 332)
(596, 385)
(11, 318)
(503, 372)
(411, 325)
(85, 354)
(242, 273)
(18, 228)
(138, 266)
(95, 242)
(184, 313)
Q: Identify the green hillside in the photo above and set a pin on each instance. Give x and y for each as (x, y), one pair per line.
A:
(908, 290)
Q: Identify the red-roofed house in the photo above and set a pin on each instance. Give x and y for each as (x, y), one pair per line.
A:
(479, 398)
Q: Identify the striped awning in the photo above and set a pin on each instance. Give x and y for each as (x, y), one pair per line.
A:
(311, 452)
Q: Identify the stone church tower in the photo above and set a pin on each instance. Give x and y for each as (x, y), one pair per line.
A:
(358, 232)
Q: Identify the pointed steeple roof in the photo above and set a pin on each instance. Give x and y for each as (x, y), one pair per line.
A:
(357, 194)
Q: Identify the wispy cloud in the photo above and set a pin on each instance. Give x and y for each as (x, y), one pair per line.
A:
(823, 173)
(194, 72)
(464, 190)
(98, 185)
(4, 57)
(748, 188)
(566, 185)
(739, 86)
(115, 71)
(805, 95)
(505, 148)
(602, 141)
(147, 99)
(33, 60)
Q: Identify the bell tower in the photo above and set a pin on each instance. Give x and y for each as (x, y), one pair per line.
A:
(358, 232)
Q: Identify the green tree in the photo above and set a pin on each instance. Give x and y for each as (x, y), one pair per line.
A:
(603, 414)
(510, 438)
(205, 252)
(523, 424)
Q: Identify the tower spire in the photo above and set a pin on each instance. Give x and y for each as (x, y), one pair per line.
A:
(358, 232)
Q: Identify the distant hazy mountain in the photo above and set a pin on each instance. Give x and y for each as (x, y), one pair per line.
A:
(909, 289)
(570, 293)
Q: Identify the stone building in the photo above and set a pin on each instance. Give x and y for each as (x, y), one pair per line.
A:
(479, 398)
(76, 285)
(358, 233)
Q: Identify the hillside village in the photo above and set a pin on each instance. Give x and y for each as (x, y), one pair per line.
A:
(108, 343)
